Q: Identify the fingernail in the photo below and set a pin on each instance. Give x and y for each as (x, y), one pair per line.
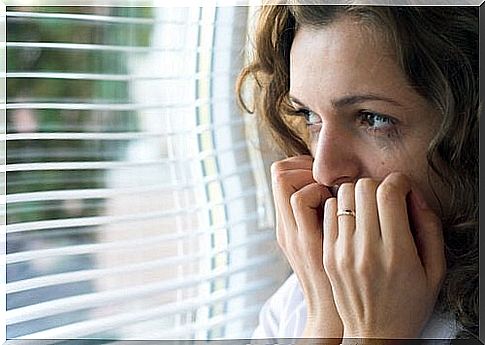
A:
(422, 204)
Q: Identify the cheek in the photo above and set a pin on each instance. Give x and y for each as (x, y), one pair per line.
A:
(417, 171)
(407, 159)
(379, 167)
(380, 170)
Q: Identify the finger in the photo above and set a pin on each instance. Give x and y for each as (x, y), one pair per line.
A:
(296, 162)
(346, 202)
(428, 237)
(307, 209)
(330, 229)
(307, 205)
(366, 217)
(284, 183)
(393, 215)
(289, 181)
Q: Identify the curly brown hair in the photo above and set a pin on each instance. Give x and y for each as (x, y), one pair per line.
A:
(437, 49)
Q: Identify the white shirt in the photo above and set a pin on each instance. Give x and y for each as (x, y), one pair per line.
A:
(284, 314)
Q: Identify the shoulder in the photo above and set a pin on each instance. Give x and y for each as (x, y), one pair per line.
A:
(284, 313)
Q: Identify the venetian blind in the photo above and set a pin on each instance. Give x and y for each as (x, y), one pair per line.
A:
(137, 207)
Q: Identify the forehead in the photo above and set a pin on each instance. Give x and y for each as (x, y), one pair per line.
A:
(343, 57)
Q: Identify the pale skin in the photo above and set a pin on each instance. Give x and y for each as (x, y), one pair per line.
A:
(376, 275)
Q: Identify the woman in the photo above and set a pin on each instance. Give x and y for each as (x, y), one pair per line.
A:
(377, 205)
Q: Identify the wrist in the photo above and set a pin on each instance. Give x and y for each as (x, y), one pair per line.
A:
(317, 327)
(394, 334)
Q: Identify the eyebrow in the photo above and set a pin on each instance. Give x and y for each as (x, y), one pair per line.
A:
(353, 99)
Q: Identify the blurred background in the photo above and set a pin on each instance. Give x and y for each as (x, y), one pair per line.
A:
(138, 204)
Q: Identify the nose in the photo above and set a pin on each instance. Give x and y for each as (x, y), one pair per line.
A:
(336, 160)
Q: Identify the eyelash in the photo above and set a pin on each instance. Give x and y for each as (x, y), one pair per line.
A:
(363, 116)
(305, 113)
(369, 116)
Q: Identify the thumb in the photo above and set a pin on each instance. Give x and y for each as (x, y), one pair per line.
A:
(428, 237)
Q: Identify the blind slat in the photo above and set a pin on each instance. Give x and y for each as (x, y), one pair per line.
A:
(100, 247)
(207, 179)
(70, 277)
(107, 106)
(34, 196)
(109, 192)
(115, 77)
(106, 165)
(98, 299)
(98, 193)
(122, 135)
(91, 47)
(111, 19)
(102, 220)
(110, 48)
(85, 328)
(85, 17)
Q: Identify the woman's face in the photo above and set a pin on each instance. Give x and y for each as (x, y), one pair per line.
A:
(363, 117)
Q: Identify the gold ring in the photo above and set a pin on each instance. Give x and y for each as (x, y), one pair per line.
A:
(346, 213)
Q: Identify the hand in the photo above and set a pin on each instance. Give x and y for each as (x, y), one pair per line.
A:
(298, 204)
(385, 282)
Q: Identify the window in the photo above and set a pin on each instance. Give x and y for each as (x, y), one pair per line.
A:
(137, 204)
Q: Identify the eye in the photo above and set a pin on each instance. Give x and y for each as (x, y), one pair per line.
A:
(310, 117)
(377, 122)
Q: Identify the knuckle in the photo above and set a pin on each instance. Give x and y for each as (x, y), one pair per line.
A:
(344, 263)
(345, 188)
(330, 204)
(394, 184)
(365, 185)
(297, 200)
(287, 163)
(365, 267)
(393, 265)
(329, 262)
(276, 167)
(329, 259)
(387, 191)
(397, 177)
(279, 178)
